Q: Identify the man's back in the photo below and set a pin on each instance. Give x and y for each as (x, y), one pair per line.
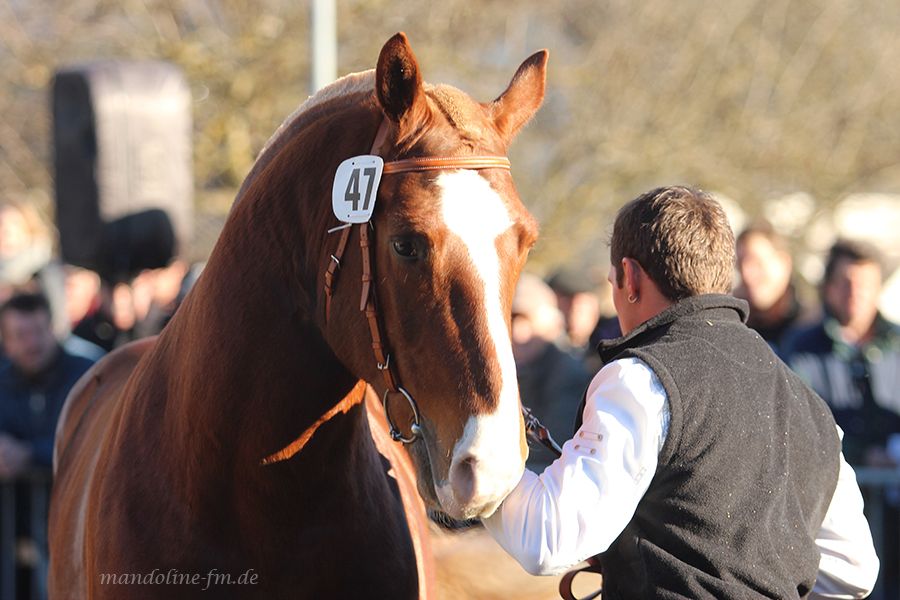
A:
(746, 473)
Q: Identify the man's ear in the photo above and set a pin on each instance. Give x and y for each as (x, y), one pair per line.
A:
(632, 277)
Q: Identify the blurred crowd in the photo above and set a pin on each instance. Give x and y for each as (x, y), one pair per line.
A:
(56, 320)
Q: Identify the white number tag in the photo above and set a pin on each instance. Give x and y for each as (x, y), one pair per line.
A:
(356, 187)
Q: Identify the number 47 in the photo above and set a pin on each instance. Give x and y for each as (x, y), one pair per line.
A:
(352, 193)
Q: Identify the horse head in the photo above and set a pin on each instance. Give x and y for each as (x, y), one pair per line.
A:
(448, 247)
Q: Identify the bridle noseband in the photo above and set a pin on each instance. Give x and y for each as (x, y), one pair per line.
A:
(368, 298)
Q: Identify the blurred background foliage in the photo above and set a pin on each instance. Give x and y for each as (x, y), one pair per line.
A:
(751, 99)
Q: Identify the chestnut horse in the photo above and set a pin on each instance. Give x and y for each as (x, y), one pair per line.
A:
(237, 443)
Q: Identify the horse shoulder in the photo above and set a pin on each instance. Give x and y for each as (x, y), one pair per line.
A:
(83, 425)
(108, 374)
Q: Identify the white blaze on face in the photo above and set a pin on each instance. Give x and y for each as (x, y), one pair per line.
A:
(476, 215)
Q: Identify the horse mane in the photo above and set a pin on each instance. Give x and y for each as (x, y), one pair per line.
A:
(353, 83)
(347, 86)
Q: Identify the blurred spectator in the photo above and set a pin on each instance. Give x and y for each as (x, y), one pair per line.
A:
(852, 356)
(89, 308)
(157, 294)
(98, 326)
(765, 267)
(607, 327)
(35, 378)
(551, 381)
(82, 293)
(590, 317)
(25, 246)
(852, 359)
(577, 300)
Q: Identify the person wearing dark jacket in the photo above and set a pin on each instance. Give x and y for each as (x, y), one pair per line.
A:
(765, 270)
(851, 357)
(702, 467)
(36, 375)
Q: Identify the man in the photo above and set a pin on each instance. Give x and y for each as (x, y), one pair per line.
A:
(852, 356)
(550, 379)
(703, 467)
(35, 378)
(765, 267)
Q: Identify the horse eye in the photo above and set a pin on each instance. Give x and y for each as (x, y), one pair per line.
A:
(405, 248)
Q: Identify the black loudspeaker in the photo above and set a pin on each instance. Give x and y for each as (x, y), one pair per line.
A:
(122, 147)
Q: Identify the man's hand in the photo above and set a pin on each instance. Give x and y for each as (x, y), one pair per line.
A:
(15, 456)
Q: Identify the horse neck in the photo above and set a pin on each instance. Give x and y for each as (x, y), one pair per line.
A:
(244, 352)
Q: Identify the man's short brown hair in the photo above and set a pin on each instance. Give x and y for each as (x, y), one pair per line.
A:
(681, 238)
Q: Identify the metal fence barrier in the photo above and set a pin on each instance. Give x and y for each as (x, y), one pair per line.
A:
(24, 503)
(23, 536)
(881, 490)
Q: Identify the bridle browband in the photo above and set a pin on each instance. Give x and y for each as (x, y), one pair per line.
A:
(368, 302)
(408, 165)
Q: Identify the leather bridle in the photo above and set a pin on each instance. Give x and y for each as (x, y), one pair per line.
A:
(368, 303)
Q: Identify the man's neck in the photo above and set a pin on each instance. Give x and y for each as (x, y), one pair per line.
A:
(653, 305)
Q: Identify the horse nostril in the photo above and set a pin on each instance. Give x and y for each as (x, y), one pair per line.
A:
(462, 479)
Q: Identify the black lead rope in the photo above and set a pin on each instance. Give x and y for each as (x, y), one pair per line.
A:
(537, 432)
(540, 434)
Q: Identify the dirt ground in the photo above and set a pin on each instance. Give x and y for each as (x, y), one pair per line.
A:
(471, 566)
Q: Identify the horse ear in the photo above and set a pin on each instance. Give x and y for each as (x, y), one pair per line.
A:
(398, 82)
(523, 97)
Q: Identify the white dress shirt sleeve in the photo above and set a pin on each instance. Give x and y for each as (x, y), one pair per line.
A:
(581, 503)
(848, 565)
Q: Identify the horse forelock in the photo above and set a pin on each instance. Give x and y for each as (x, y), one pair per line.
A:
(463, 113)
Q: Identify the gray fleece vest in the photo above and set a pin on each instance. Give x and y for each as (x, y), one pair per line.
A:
(747, 471)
